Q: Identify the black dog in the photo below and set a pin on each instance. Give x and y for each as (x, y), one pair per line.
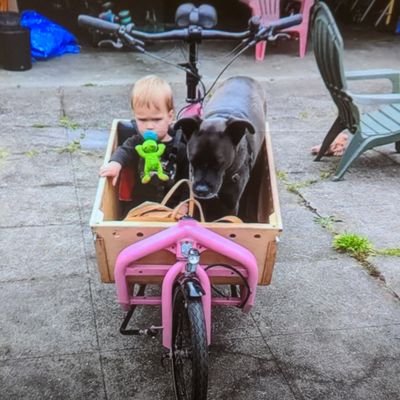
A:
(223, 146)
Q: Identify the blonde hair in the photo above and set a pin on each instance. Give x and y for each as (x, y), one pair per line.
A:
(152, 90)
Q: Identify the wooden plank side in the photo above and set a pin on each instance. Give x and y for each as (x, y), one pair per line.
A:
(103, 186)
(275, 217)
(102, 260)
(266, 277)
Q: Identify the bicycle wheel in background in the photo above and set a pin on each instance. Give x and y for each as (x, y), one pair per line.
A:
(189, 348)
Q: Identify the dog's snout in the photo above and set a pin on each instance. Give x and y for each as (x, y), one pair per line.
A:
(201, 190)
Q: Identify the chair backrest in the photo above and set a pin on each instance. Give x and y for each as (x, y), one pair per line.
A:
(305, 10)
(328, 51)
(268, 10)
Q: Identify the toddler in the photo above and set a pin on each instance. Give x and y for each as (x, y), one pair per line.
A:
(153, 109)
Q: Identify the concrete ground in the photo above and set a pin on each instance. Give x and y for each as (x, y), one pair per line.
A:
(324, 329)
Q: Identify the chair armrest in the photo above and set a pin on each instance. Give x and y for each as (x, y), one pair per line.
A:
(370, 99)
(391, 74)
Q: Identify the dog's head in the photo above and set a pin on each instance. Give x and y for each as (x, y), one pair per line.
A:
(211, 149)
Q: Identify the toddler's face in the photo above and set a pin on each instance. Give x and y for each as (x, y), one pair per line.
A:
(150, 118)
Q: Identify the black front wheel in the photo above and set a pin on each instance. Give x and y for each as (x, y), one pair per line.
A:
(189, 348)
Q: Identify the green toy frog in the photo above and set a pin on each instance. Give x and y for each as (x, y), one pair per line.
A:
(151, 151)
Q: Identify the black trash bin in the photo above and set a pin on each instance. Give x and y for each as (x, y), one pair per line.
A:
(16, 49)
(9, 20)
(15, 45)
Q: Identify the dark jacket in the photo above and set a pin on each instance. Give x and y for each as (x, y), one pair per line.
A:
(174, 161)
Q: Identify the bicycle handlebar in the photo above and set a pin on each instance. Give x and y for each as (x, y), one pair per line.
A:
(194, 31)
(286, 22)
(98, 23)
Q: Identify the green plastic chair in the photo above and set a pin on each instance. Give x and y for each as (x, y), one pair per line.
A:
(369, 130)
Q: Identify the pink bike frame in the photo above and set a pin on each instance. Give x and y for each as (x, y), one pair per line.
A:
(201, 238)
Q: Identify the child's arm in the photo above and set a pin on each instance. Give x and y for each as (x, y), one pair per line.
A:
(126, 154)
(123, 156)
(112, 170)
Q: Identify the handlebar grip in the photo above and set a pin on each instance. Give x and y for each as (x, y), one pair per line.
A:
(97, 23)
(286, 22)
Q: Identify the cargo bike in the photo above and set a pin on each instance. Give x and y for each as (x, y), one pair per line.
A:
(189, 260)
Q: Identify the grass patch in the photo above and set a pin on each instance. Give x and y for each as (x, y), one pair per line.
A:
(296, 186)
(389, 252)
(360, 247)
(357, 246)
(68, 123)
(40, 126)
(3, 154)
(89, 84)
(326, 222)
(303, 115)
(282, 175)
(31, 153)
(72, 147)
(325, 174)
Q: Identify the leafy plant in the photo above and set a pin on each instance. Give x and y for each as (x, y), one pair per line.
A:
(358, 246)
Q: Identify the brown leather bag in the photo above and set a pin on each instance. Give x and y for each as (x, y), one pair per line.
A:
(159, 212)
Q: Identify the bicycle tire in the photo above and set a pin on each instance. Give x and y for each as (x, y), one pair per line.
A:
(189, 348)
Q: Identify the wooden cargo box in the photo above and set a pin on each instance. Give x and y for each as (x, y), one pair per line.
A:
(259, 235)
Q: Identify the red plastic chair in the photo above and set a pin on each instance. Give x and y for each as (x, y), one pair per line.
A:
(302, 29)
(268, 10)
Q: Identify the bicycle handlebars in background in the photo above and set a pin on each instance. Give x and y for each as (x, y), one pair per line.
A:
(192, 32)
(98, 23)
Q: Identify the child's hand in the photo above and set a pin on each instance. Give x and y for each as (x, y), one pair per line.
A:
(183, 210)
(112, 169)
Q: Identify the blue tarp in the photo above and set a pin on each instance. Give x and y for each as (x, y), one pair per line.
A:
(47, 38)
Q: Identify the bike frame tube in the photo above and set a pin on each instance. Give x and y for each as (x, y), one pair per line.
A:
(203, 239)
(192, 110)
(192, 80)
(166, 301)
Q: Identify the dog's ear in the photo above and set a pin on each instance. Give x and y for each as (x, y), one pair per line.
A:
(188, 125)
(236, 128)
